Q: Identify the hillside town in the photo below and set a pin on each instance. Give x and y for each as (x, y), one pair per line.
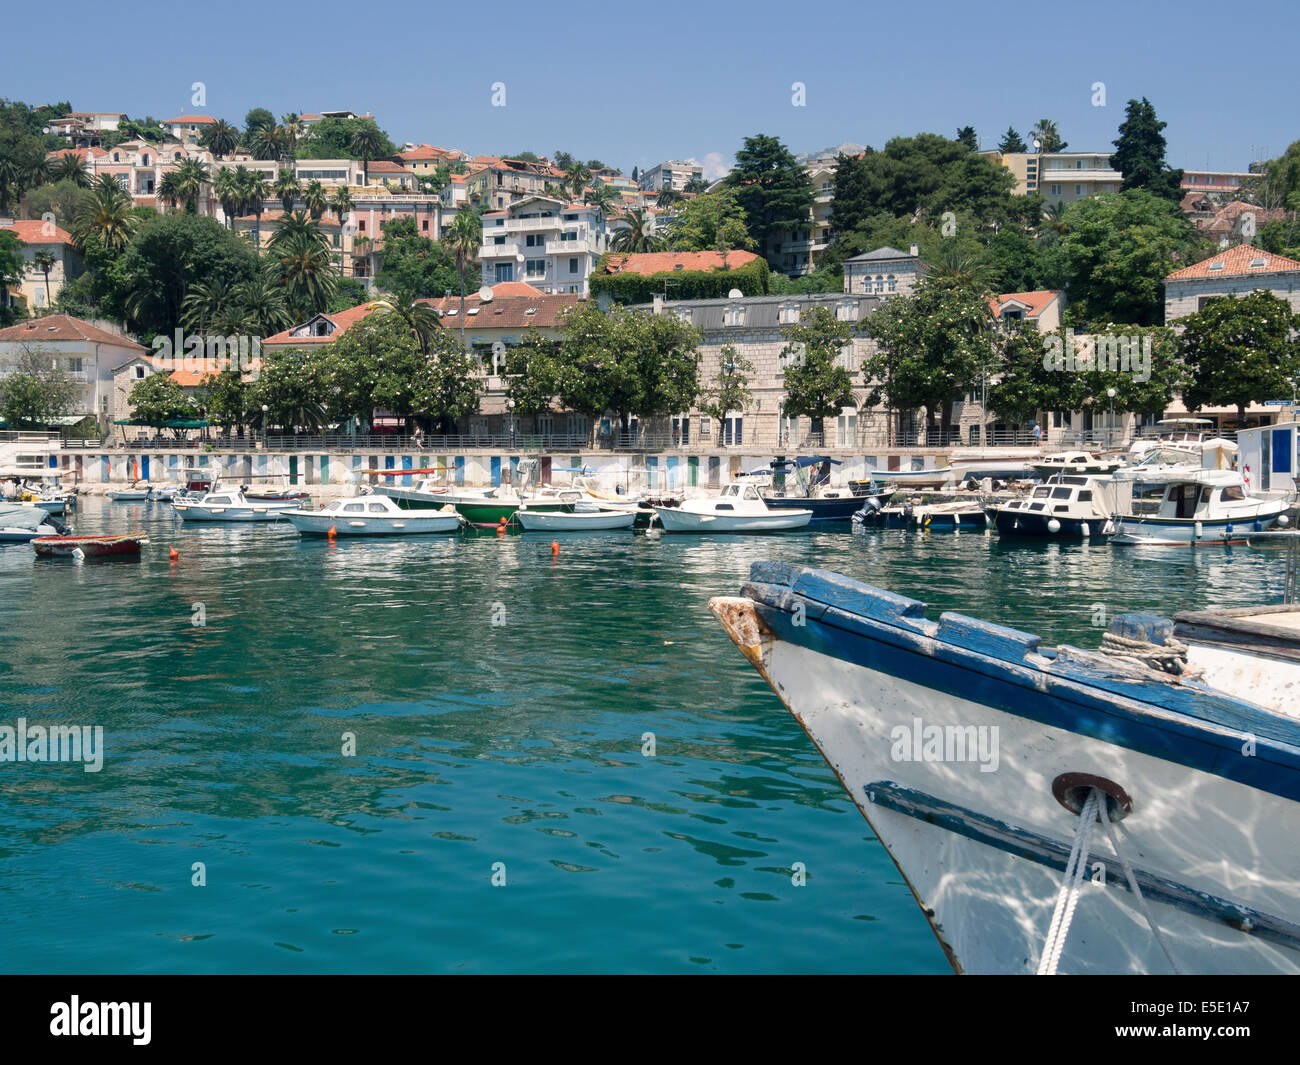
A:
(249, 279)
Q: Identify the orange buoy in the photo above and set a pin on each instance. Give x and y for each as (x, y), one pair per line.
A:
(555, 547)
(173, 554)
(503, 520)
(332, 533)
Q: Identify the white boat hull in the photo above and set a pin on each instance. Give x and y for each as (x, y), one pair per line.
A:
(678, 520)
(246, 513)
(580, 521)
(989, 903)
(1132, 531)
(408, 523)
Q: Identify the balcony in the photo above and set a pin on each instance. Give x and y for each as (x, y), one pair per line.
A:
(571, 247)
(509, 250)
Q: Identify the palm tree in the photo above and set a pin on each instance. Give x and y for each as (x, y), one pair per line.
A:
(169, 188)
(266, 142)
(417, 315)
(1054, 216)
(292, 126)
(954, 268)
(465, 235)
(366, 142)
(697, 184)
(44, 262)
(262, 302)
(108, 217)
(226, 188)
(220, 138)
(577, 176)
(341, 205)
(1047, 136)
(302, 267)
(70, 168)
(298, 225)
(667, 197)
(604, 197)
(192, 178)
(637, 232)
(315, 199)
(287, 188)
(11, 180)
(254, 192)
(204, 301)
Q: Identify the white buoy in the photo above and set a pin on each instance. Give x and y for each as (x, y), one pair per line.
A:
(1086, 530)
(1198, 529)
(1053, 526)
(1283, 520)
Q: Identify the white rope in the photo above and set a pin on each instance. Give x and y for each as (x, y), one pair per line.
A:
(1137, 891)
(1068, 897)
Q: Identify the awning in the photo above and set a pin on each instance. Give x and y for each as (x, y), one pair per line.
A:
(176, 423)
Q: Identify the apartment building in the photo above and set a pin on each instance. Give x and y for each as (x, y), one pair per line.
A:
(551, 245)
(883, 272)
(1221, 181)
(670, 175)
(85, 129)
(1060, 177)
(139, 166)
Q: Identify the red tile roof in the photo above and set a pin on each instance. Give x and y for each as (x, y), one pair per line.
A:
(190, 120)
(77, 153)
(1036, 301)
(63, 327)
(34, 232)
(426, 151)
(1236, 262)
(341, 319)
(658, 262)
(387, 166)
(505, 310)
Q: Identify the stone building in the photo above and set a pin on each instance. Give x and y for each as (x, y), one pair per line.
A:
(1235, 271)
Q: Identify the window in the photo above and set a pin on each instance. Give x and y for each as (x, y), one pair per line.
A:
(1078, 190)
(534, 240)
(789, 314)
(354, 508)
(505, 272)
(846, 427)
(535, 268)
(361, 226)
(424, 225)
(139, 373)
(498, 240)
(1233, 491)
(889, 283)
(1216, 266)
(378, 508)
(1056, 190)
(573, 266)
(733, 431)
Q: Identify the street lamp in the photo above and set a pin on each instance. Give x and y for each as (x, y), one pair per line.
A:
(1110, 426)
(510, 406)
(265, 410)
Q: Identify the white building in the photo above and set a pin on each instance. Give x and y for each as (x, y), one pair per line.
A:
(552, 245)
(671, 175)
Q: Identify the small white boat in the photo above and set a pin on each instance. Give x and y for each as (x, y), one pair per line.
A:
(371, 515)
(1079, 463)
(739, 509)
(229, 504)
(22, 524)
(1191, 506)
(135, 494)
(578, 521)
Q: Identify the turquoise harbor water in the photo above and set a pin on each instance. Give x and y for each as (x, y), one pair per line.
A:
(476, 743)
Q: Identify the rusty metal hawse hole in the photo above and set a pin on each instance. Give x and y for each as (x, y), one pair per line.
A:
(1071, 791)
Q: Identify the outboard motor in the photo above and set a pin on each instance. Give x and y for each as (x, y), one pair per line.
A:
(868, 511)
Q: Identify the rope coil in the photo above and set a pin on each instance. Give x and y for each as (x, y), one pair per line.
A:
(1169, 657)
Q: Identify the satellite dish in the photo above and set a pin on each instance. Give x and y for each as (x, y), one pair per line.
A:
(485, 293)
(735, 294)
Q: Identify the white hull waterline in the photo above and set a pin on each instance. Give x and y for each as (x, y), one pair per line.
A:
(953, 737)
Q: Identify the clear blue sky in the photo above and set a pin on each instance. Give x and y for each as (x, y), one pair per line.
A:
(633, 84)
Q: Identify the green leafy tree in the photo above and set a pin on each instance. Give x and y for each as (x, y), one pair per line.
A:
(35, 393)
(709, 222)
(1115, 254)
(295, 385)
(1277, 185)
(773, 189)
(451, 387)
(1012, 143)
(663, 362)
(367, 142)
(933, 347)
(158, 399)
(415, 265)
(225, 399)
(816, 386)
(12, 268)
(967, 136)
(220, 138)
(1140, 153)
(729, 391)
(531, 369)
(1240, 351)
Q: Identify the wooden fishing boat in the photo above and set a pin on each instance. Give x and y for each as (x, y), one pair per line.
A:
(579, 521)
(89, 546)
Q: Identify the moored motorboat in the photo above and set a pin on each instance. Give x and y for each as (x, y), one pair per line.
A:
(20, 524)
(812, 490)
(1068, 507)
(974, 753)
(1196, 506)
(229, 505)
(371, 514)
(137, 493)
(739, 509)
(89, 546)
(580, 520)
(1078, 463)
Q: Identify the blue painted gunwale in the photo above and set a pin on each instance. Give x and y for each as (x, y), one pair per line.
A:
(1188, 724)
(1034, 847)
